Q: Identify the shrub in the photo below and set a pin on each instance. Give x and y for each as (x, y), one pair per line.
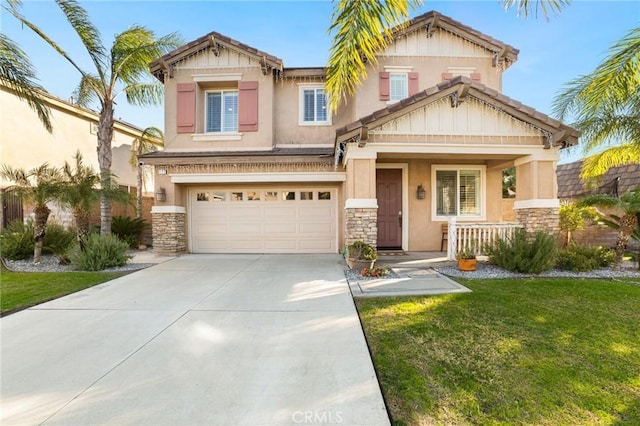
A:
(128, 229)
(581, 258)
(530, 254)
(58, 240)
(100, 252)
(16, 242)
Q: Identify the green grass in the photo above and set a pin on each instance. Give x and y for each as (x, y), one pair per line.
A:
(20, 290)
(513, 352)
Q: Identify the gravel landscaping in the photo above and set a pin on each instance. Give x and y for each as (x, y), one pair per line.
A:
(487, 270)
(50, 263)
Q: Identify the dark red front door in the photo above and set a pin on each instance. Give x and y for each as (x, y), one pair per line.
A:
(389, 194)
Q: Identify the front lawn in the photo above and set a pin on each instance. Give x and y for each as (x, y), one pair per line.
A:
(515, 351)
(20, 290)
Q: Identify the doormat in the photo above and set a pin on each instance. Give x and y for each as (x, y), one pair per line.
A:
(391, 253)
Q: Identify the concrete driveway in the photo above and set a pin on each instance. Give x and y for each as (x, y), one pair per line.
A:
(198, 340)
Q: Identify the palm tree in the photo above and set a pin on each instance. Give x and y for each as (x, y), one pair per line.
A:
(629, 204)
(363, 28)
(17, 73)
(122, 69)
(150, 140)
(80, 193)
(39, 186)
(606, 106)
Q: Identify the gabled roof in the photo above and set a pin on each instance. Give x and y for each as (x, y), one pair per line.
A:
(504, 54)
(458, 89)
(214, 41)
(617, 179)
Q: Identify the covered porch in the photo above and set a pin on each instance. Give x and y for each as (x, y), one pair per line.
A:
(439, 155)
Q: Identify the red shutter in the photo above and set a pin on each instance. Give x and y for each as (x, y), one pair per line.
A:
(447, 76)
(475, 76)
(247, 106)
(413, 83)
(383, 83)
(186, 108)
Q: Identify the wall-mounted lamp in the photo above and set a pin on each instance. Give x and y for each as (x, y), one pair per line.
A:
(161, 194)
(421, 193)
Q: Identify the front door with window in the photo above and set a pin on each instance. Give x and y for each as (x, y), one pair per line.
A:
(389, 195)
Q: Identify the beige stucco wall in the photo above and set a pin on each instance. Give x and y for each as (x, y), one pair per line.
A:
(25, 143)
(536, 180)
(262, 139)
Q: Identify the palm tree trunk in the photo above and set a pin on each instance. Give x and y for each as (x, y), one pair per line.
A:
(105, 136)
(628, 223)
(82, 226)
(39, 230)
(139, 193)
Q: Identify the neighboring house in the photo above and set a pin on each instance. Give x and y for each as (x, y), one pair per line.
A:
(256, 163)
(616, 181)
(25, 143)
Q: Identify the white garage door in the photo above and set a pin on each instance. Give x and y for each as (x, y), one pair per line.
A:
(272, 220)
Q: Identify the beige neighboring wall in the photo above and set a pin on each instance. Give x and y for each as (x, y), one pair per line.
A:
(25, 143)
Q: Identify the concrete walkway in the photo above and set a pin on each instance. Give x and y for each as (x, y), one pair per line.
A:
(197, 340)
(412, 275)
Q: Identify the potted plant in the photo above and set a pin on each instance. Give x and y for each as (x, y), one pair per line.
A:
(361, 255)
(467, 260)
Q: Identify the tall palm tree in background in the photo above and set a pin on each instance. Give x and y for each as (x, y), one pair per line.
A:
(150, 140)
(39, 186)
(363, 28)
(17, 73)
(121, 69)
(606, 107)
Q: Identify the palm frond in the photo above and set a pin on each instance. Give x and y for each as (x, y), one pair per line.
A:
(609, 128)
(609, 86)
(546, 7)
(88, 90)
(17, 73)
(87, 32)
(144, 94)
(598, 164)
(361, 29)
(150, 140)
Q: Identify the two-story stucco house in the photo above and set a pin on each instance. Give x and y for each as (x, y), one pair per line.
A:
(256, 163)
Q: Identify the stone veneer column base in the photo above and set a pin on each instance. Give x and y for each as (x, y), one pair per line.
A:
(541, 218)
(169, 230)
(361, 224)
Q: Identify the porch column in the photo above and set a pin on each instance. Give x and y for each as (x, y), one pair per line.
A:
(537, 206)
(361, 205)
(169, 229)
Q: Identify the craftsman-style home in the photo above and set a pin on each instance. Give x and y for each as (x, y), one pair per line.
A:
(256, 163)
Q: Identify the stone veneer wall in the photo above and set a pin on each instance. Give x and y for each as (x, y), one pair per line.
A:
(169, 235)
(545, 219)
(361, 224)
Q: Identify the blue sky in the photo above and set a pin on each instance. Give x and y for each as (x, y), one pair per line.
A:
(552, 52)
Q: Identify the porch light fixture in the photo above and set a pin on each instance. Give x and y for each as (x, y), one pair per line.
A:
(421, 193)
(161, 194)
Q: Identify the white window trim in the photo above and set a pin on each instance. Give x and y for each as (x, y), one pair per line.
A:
(306, 86)
(463, 71)
(223, 135)
(483, 191)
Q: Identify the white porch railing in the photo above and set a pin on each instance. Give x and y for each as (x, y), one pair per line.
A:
(476, 236)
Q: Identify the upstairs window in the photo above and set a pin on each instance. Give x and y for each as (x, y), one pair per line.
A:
(221, 111)
(313, 106)
(398, 86)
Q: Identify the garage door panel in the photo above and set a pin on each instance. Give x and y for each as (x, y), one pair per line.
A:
(271, 224)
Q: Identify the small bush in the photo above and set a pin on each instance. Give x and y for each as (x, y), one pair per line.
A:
(100, 252)
(58, 240)
(16, 242)
(128, 229)
(581, 258)
(529, 254)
